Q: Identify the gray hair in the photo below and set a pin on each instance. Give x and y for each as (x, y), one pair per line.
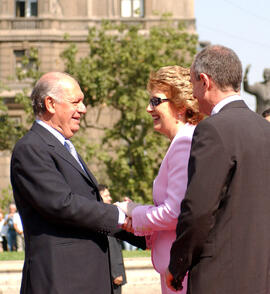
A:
(221, 64)
(49, 84)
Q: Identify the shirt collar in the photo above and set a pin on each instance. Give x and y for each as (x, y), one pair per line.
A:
(53, 131)
(224, 102)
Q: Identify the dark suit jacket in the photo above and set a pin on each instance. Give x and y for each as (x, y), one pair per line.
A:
(223, 230)
(65, 221)
(117, 263)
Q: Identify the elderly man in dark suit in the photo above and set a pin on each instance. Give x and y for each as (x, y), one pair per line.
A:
(223, 238)
(65, 221)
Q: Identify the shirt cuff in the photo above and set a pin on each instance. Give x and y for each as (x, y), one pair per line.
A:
(121, 217)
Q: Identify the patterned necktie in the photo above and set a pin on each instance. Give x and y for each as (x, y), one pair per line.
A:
(70, 147)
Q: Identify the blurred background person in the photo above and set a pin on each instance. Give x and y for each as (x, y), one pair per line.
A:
(129, 247)
(1, 227)
(19, 230)
(11, 233)
(175, 114)
(115, 248)
(266, 114)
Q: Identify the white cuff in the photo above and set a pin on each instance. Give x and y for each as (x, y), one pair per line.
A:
(121, 217)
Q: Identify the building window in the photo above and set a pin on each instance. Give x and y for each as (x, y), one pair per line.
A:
(19, 56)
(17, 120)
(132, 8)
(26, 8)
(24, 62)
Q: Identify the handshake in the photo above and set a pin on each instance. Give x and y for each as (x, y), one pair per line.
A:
(127, 207)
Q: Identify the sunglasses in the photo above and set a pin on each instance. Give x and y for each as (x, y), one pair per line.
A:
(155, 101)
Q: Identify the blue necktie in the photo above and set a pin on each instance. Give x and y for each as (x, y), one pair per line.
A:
(70, 147)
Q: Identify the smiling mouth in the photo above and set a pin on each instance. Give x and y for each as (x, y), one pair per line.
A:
(76, 120)
(155, 118)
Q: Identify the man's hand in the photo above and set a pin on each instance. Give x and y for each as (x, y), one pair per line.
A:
(127, 226)
(171, 282)
(118, 280)
(127, 206)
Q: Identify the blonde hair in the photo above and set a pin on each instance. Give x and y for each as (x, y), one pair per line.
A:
(175, 82)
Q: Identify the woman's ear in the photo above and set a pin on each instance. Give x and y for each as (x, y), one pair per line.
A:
(50, 104)
(182, 111)
(181, 114)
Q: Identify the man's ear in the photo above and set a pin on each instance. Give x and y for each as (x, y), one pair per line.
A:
(205, 79)
(50, 104)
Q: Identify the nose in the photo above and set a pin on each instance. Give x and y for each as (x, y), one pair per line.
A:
(149, 108)
(81, 107)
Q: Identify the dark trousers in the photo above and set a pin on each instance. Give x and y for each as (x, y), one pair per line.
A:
(4, 243)
(117, 289)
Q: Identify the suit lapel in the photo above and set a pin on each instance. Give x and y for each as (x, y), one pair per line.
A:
(53, 142)
(90, 175)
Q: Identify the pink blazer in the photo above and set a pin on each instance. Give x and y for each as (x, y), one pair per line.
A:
(158, 222)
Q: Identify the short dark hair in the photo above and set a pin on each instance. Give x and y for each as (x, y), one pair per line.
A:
(266, 112)
(102, 187)
(221, 64)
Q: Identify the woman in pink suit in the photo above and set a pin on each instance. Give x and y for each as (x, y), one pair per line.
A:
(175, 114)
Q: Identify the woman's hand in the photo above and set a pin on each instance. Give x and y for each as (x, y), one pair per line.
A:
(127, 206)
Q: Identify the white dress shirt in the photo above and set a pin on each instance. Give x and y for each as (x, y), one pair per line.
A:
(224, 102)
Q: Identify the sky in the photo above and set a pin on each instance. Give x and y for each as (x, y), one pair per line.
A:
(244, 26)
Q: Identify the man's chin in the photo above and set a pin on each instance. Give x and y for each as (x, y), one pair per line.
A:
(71, 132)
(75, 128)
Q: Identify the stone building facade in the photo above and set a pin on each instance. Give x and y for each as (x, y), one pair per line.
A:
(44, 23)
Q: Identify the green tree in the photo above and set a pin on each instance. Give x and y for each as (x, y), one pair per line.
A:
(6, 198)
(115, 74)
(10, 131)
(29, 72)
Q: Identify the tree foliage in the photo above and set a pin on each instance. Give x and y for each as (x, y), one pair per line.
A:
(10, 132)
(6, 198)
(29, 72)
(115, 74)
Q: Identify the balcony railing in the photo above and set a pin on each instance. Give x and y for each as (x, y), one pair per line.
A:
(25, 24)
(77, 24)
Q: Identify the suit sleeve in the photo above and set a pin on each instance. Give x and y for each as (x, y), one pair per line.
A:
(210, 169)
(149, 218)
(116, 258)
(36, 175)
(137, 241)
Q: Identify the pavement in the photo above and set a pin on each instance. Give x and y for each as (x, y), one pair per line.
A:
(141, 277)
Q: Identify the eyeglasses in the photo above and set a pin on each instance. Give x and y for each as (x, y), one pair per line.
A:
(155, 101)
